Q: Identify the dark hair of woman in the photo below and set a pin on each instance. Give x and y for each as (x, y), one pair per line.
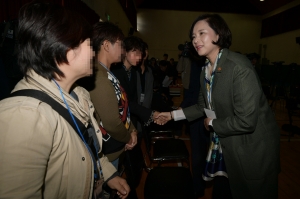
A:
(105, 31)
(218, 24)
(45, 39)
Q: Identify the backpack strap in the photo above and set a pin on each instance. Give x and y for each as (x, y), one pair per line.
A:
(61, 110)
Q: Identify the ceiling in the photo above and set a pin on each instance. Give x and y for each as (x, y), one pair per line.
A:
(255, 7)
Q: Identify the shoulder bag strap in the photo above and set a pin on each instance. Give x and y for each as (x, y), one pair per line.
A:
(54, 104)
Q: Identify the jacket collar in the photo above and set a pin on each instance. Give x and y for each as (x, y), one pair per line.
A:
(49, 87)
(221, 61)
(220, 67)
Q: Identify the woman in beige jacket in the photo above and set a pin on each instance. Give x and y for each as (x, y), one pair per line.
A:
(41, 155)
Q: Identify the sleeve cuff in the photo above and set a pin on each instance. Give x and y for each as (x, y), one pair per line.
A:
(111, 177)
(178, 115)
(210, 123)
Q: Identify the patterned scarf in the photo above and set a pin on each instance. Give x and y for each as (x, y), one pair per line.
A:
(122, 101)
(215, 165)
(209, 78)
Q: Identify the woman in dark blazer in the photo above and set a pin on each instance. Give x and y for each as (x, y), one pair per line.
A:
(244, 122)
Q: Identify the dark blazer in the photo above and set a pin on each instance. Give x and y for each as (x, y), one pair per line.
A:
(130, 87)
(148, 90)
(248, 132)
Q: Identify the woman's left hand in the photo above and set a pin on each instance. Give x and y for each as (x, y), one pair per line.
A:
(206, 123)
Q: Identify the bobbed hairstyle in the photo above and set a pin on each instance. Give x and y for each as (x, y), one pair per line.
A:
(218, 24)
(46, 33)
(105, 31)
(133, 43)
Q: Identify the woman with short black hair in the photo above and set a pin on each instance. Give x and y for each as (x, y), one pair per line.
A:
(239, 117)
(42, 154)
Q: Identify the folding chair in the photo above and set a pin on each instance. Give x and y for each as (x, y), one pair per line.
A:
(161, 146)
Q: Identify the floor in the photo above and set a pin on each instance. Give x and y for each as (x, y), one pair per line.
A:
(289, 178)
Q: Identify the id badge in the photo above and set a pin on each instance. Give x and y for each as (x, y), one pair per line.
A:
(142, 97)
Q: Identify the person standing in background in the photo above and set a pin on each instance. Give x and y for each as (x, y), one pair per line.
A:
(108, 96)
(144, 84)
(126, 74)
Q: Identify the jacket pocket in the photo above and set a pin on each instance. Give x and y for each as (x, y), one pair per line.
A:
(258, 159)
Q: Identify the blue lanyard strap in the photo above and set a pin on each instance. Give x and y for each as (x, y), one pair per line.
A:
(79, 132)
(107, 70)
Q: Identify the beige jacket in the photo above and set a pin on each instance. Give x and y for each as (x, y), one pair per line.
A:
(41, 156)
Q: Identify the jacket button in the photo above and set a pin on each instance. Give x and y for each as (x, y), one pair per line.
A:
(83, 158)
(91, 106)
(98, 131)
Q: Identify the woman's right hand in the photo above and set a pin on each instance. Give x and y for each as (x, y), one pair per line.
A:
(163, 117)
(120, 185)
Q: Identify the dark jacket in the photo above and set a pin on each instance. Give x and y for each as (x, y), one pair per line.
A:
(248, 132)
(130, 86)
(148, 89)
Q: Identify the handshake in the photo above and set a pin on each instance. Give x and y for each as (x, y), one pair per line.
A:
(162, 118)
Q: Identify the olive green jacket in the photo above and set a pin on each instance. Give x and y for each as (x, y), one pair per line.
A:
(249, 134)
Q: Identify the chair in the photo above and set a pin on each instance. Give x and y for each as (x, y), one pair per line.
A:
(167, 182)
(162, 147)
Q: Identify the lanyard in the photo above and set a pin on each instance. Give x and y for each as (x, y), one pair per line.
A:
(96, 165)
(210, 80)
(107, 69)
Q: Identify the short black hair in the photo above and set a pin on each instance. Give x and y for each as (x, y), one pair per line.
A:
(133, 43)
(166, 55)
(218, 24)
(105, 31)
(46, 33)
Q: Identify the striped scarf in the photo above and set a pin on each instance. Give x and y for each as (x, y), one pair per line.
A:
(122, 100)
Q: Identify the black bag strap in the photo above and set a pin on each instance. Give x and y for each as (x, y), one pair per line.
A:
(54, 104)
